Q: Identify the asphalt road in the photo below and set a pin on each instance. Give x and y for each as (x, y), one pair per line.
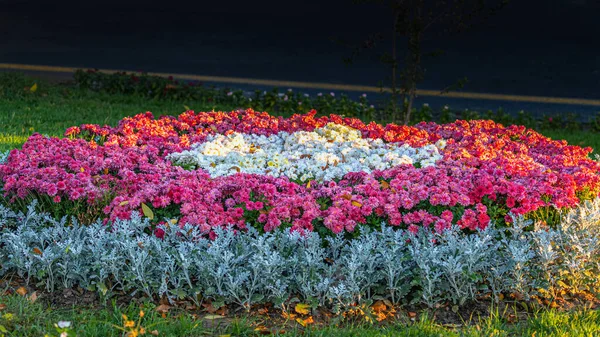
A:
(543, 48)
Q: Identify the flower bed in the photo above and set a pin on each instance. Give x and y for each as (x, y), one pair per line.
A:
(170, 169)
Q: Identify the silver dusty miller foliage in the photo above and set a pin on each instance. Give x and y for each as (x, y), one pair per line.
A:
(286, 267)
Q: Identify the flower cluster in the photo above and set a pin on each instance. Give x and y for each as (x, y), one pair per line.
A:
(482, 172)
(324, 154)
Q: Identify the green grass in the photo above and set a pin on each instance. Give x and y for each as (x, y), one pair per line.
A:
(52, 108)
(20, 317)
(580, 137)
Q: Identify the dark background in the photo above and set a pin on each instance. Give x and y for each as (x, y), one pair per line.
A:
(546, 48)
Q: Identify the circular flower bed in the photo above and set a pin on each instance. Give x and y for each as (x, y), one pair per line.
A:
(326, 174)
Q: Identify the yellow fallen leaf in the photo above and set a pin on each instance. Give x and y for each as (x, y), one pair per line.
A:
(302, 308)
(288, 316)
(147, 211)
(356, 203)
(33, 87)
(123, 203)
(211, 317)
(305, 322)
(22, 291)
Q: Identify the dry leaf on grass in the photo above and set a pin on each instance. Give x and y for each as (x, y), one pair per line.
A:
(33, 297)
(305, 322)
(22, 291)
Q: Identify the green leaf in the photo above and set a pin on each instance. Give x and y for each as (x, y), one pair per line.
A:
(147, 211)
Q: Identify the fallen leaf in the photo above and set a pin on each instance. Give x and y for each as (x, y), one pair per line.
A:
(33, 87)
(33, 297)
(380, 316)
(37, 251)
(154, 332)
(123, 203)
(163, 308)
(379, 306)
(214, 128)
(211, 317)
(384, 184)
(305, 322)
(263, 330)
(147, 211)
(302, 308)
(2, 306)
(412, 315)
(288, 316)
(22, 291)
(356, 203)
(346, 196)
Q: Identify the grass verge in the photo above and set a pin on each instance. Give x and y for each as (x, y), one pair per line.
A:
(20, 316)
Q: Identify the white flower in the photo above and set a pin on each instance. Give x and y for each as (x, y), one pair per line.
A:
(323, 154)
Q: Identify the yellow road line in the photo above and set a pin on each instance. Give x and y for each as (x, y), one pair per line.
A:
(323, 86)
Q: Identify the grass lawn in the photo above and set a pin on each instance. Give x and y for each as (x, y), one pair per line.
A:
(53, 108)
(23, 318)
